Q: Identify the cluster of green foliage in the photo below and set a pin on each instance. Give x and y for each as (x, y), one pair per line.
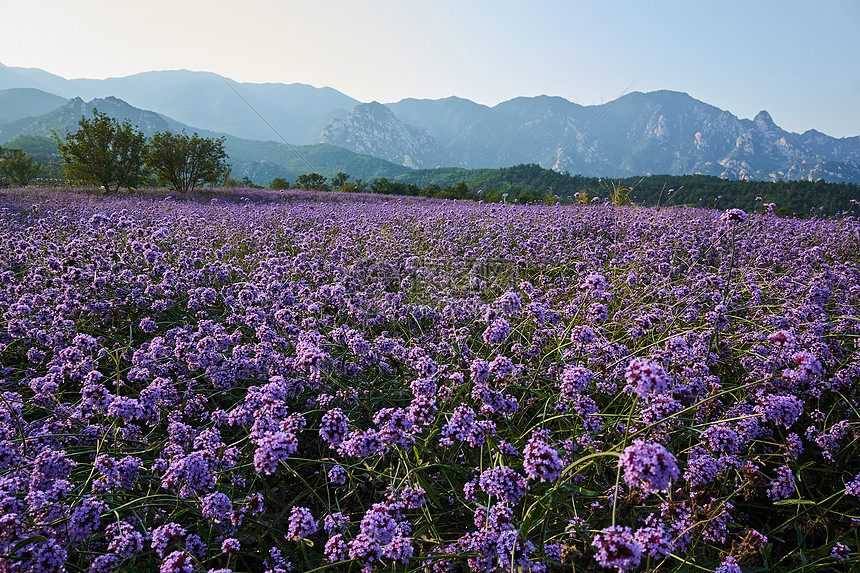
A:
(111, 154)
(339, 182)
(183, 162)
(534, 184)
(44, 152)
(17, 167)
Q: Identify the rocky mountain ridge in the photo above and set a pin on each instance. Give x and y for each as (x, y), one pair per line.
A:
(373, 129)
(640, 133)
(662, 132)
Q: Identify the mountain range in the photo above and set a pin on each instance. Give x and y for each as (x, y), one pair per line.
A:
(662, 132)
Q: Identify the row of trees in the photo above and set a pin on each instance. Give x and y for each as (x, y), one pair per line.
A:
(111, 154)
(528, 184)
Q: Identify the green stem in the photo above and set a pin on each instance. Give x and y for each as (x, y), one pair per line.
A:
(618, 469)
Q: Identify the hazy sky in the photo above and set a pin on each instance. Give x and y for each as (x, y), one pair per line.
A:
(800, 60)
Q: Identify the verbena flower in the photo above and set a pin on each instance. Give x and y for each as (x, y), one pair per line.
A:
(216, 506)
(504, 483)
(177, 562)
(853, 486)
(301, 523)
(362, 444)
(729, 565)
(617, 547)
(783, 409)
(85, 518)
(783, 486)
(840, 551)
(595, 284)
(124, 541)
(365, 549)
(647, 377)
(575, 379)
(105, 563)
(540, 460)
(497, 332)
(334, 426)
(335, 521)
(734, 216)
(649, 465)
(702, 469)
(655, 541)
(165, 536)
(272, 448)
(721, 438)
(400, 548)
(336, 548)
(194, 343)
(337, 475)
(194, 472)
(116, 474)
(793, 447)
(509, 304)
(230, 545)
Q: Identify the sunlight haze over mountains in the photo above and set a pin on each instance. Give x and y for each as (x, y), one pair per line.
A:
(798, 60)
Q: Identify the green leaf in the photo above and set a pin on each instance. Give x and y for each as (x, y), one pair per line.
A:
(25, 542)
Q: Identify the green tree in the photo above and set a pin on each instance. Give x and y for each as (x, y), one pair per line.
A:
(312, 181)
(105, 152)
(339, 180)
(18, 167)
(382, 186)
(183, 162)
(248, 183)
(279, 183)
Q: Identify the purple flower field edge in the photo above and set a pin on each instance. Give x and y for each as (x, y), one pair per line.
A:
(301, 381)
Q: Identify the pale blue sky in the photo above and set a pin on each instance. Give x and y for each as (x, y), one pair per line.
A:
(800, 60)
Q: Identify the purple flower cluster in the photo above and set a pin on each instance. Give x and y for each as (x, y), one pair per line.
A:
(783, 486)
(167, 365)
(729, 565)
(840, 551)
(217, 506)
(166, 536)
(334, 427)
(721, 438)
(465, 427)
(503, 483)
(780, 409)
(617, 547)
(575, 380)
(540, 460)
(301, 523)
(497, 332)
(649, 465)
(734, 216)
(116, 474)
(853, 486)
(274, 447)
(647, 377)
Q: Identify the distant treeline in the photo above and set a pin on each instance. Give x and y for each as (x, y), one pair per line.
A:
(534, 184)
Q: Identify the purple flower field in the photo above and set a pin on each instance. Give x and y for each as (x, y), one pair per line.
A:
(303, 381)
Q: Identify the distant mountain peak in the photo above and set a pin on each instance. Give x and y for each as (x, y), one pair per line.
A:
(373, 129)
(373, 109)
(764, 120)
